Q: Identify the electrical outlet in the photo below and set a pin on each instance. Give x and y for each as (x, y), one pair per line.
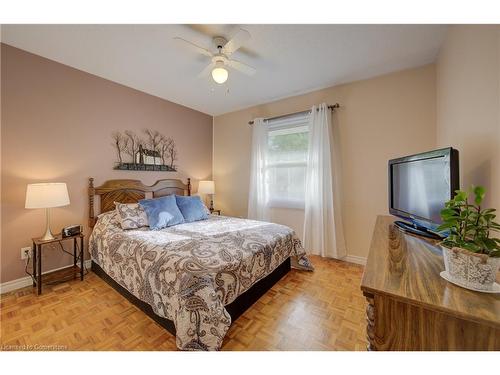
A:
(25, 252)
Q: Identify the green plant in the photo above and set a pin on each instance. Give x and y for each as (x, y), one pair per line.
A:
(468, 225)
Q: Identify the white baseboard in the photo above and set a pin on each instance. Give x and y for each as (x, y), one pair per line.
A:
(355, 259)
(26, 281)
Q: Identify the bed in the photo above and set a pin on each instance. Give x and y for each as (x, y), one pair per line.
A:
(195, 278)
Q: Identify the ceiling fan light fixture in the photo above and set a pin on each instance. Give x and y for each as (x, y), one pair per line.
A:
(221, 58)
(220, 75)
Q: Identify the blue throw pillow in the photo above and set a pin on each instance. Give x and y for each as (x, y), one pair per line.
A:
(162, 212)
(192, 208)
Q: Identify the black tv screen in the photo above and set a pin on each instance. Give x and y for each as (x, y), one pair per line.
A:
(419, 185)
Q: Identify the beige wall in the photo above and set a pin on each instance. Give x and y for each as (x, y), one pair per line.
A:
(468, 104)
(56, 126)
(381, 118)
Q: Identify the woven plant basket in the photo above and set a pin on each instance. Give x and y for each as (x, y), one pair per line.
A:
(470, 270)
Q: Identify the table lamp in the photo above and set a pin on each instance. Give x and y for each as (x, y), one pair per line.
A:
(207, 187)
(47, 195)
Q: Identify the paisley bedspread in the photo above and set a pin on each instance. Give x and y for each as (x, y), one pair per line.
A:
(189, 272)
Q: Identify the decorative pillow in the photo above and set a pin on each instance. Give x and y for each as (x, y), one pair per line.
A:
(162, 212)
(192, 208)
(132, 215)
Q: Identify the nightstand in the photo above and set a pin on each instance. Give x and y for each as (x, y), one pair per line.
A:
(37, 256)
(214, 211)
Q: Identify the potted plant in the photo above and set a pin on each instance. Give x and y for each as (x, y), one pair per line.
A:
(471, 255)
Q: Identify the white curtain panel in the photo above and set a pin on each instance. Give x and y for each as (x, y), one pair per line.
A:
(258, 194)
(323, 230)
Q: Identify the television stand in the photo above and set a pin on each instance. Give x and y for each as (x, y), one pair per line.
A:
(410, 307)
(415, 229)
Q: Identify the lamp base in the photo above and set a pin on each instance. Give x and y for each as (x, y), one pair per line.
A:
(48, 234)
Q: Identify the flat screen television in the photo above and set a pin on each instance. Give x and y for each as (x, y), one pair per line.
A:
(419, 186)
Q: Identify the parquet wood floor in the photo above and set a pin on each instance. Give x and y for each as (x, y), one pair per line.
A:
(321, 310)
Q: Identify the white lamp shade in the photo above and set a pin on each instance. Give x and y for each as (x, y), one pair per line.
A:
(46, 195)
(206, 187)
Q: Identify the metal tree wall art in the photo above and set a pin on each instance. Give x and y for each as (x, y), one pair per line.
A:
(153, 152)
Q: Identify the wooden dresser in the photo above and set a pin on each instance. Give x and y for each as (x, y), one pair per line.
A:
(410, 307)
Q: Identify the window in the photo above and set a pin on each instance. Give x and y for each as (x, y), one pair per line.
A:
(288, 141)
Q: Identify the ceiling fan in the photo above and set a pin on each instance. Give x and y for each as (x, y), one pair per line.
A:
(221, 57)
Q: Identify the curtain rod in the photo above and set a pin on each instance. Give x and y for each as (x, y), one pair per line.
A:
(331, 107)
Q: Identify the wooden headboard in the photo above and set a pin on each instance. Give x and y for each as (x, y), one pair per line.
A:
(131, 191)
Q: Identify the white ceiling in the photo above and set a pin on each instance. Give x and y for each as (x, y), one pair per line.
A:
(290, 59)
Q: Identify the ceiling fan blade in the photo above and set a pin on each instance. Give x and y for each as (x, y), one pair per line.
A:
(194, 47)
(236, 42)
(205, 72)
(242, 67)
